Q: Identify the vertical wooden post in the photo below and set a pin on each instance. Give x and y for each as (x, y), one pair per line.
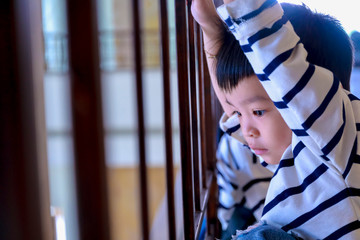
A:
(194, 108)
(24, 194)
(203, 119)
(141, 122)
(165, 63)
(184, 118)
(211, 105)
(88, 126)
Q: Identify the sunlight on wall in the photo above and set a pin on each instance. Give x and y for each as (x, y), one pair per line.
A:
(345, 11)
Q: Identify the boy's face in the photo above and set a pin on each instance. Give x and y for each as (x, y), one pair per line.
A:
(262, 126)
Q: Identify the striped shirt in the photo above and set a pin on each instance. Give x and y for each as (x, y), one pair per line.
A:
(315, 189)
(242, 180)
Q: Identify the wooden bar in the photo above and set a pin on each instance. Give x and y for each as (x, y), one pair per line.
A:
(88, 127)
(194, 110)
(140, 121)
(24, 198)
(202, 117)
(213, 227)
(212, 109)
(165, 64)
(184, 118)
(211, 123)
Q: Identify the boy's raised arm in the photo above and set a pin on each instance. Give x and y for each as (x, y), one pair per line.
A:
(205, 15)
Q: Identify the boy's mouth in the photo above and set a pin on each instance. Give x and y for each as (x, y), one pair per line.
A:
(258, 151)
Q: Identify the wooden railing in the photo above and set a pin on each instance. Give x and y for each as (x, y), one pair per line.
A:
(197, 139)
(24, 205)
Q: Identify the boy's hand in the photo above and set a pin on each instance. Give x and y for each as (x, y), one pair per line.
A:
(205, 15)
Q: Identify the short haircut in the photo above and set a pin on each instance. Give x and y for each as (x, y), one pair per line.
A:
(325, 40)
(355, 38)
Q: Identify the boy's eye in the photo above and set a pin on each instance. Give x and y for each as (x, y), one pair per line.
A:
(259, 113)
(237, 113)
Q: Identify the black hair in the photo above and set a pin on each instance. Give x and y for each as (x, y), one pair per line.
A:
(325, 40)
(232, 64)
(355, 38)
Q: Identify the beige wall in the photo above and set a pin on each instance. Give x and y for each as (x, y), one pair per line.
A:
(123, 14)
(150, 26)
(124, 200)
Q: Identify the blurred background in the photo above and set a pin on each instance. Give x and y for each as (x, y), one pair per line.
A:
(119, 99)
(119, 106)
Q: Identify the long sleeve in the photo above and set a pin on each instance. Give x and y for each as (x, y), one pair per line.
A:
(242, 180)
(317, 182)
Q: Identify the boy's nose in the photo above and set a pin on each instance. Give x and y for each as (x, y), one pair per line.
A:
(249, 129)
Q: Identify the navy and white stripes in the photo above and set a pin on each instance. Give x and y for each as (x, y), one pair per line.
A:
(265, 5)
(241, 178)
(297, 189)
(315, 189)
(263, 34)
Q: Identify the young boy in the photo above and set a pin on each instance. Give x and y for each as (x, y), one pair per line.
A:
(297, 117)
(242, 182)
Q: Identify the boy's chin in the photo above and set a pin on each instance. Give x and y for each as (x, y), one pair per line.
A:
(271, 161)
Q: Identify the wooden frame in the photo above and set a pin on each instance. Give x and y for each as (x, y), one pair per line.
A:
(25, 205)
(24, 198)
